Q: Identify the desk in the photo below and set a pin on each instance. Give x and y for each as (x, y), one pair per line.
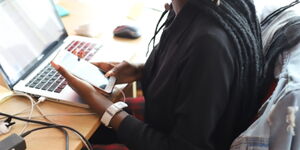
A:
(82, 12)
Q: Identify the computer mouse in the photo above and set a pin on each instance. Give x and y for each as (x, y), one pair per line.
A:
(126, 31)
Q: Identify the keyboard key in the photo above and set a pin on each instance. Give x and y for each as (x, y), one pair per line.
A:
(47, 86)
(49, 79)
(58, 90)
(40, 85)
(32, 85)
(67, 47)
(53, 86)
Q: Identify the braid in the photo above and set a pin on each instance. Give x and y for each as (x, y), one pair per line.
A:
(238, 18)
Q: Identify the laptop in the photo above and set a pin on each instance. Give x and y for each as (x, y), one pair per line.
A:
(31, 33)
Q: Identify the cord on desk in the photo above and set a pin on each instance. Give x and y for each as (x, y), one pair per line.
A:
(47, 127)
(89, 146)
(35, 104)
(61, 114)
(67, 139)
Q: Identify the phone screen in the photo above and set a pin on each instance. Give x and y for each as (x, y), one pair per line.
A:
(84, 70)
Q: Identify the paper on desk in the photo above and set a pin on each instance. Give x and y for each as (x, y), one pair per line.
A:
(3, 93)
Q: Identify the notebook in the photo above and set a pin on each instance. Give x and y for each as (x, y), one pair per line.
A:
(31, 35)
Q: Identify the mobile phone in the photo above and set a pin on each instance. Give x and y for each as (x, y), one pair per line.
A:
(84, 70)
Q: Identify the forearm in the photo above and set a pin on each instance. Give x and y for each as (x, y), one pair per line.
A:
(101, 107)
(117, 120)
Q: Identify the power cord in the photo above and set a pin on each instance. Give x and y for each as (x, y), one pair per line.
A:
(33, 104)
(47, 127)
(86, 142)
(5, 127)
(122, 92)
(60, 114)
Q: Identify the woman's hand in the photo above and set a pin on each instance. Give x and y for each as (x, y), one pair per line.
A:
(93, 96)
(98, 102)
(123, 71)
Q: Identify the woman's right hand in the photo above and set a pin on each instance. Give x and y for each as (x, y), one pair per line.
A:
(123, 71)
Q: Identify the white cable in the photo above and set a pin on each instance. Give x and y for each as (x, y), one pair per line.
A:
(54, 115)
(122, 92)
(35, 104)
(45, 116)
(62, 114)
(32, 106)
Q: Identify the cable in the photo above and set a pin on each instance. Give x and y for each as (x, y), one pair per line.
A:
(67, 139)
(123, 94)
(35, 104)
(31, 111)
(62, 114)
(47, 127)
(88, 145)
(55, 115)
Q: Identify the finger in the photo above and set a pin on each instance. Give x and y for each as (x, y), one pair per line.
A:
(114, 63)
(115, 71)
(62, 71)
(105, 63)
(73, 81)
(103, 66)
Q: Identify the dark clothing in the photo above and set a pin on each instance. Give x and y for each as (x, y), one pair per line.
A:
(192, 101)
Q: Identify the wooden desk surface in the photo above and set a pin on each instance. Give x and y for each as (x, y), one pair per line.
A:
(108, 14)
(51, 139)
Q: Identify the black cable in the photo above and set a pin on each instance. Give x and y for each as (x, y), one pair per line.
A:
(67, 139)
(50, 124)
(47, 127)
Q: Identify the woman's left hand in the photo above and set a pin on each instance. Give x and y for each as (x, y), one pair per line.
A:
(93, 96)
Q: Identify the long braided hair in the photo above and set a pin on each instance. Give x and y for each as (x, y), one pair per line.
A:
(238, 18)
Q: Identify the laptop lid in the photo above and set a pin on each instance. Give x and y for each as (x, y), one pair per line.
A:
(29, 31)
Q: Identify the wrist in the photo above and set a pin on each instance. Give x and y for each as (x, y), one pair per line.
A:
(117, 119)
(139, 71)
(111, 111)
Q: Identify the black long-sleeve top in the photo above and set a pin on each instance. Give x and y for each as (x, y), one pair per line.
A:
(192, 101)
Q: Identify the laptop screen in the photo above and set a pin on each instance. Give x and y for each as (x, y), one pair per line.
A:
(27, 28)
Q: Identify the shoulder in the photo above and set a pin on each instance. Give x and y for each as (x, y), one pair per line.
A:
(205, 29)
(205, 36)
(205, 42)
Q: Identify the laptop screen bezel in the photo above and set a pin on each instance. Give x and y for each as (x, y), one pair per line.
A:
(46, 52)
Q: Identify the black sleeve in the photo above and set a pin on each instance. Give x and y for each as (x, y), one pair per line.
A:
(204, 86)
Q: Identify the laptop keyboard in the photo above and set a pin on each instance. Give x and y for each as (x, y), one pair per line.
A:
(49, 79)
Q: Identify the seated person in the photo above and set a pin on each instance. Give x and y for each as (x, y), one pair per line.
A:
(277, 126)
(200, 82)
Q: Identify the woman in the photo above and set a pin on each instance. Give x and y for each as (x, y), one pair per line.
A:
(200, 82)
